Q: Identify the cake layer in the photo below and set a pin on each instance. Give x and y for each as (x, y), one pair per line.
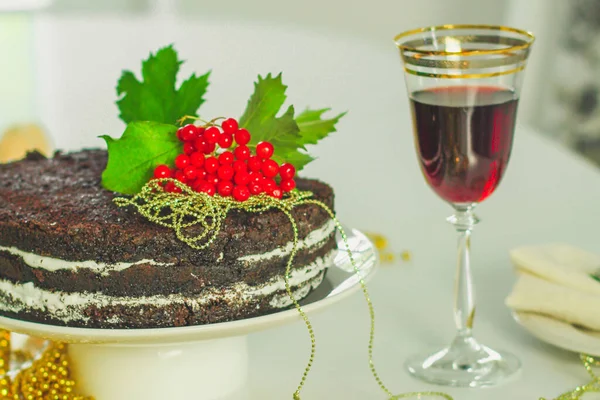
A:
(97, 310)
(147, 277)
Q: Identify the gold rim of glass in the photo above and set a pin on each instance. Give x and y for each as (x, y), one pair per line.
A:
(529, 38)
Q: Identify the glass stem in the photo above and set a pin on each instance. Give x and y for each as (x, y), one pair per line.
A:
(464, 290)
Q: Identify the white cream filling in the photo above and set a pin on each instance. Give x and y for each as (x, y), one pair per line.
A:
(71, 306)
(55, 264)
(314, 238)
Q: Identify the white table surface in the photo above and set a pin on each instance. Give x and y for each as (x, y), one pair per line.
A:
(547, 195)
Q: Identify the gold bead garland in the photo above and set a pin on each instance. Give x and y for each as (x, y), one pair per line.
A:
(47, 378)
(181, 211)
(589, 362)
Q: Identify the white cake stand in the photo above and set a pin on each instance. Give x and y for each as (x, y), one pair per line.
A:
(208, 362)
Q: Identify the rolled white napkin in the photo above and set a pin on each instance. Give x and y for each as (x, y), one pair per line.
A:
(555, 280)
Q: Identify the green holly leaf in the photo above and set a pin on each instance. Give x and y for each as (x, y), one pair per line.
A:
(133, 157)
(262, 120)
(297, 158)
(313, 127)
(260, 117)
(157, 98)
(287, 133)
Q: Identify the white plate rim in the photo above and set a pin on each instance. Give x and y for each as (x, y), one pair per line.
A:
(558, 333)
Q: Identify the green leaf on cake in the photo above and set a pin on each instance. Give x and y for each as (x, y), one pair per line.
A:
(313, 127)
(260, 117)
(287, 133)
(156, 97)
(133, 157)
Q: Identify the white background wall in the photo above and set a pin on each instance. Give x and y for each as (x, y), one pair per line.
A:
(80, 47)
(80, 51)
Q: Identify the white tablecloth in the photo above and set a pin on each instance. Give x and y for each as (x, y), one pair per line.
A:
(548, 195)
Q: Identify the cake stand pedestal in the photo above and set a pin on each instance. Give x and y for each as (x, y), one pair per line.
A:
(215, 368)
(208, 362)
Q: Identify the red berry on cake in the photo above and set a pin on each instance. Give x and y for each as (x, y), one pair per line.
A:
(197, 159)
(241, 178)
(287, 185)
(180, 176)
(254, 163)
(211, 164)
(241, 193)
(264, 150)
(226, 157)
(277, 193)
(180, 134)
(182, 161)
(270, 168)
(255, 188)
(225, 188)
(239, 165)
(225, 140)
(207, 188)
(212, 135)
(287, 171)
(209, 148)
(162, 171)
(189, 132)
(242, 137)
(256, 177)
(212, 179)
(190, 173)
(200, 174)
(202, 145)
(225, 172)
(172, 188)
(242, 152)
(188, 148)
(230, 125)
(268, 184)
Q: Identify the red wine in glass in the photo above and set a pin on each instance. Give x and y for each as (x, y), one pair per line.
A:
(464, 136)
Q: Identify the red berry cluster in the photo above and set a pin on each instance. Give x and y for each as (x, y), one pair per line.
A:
(208, 165)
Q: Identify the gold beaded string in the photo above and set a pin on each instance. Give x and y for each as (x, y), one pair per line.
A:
(589, 362)
(47, 378)
(371, 308)
(189, 208)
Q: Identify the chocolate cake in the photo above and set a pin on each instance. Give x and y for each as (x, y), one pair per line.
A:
(69, 256)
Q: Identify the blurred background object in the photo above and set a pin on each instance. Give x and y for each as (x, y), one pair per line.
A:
(20, 129)
(573, 107)
(65, 56)
(19, 139)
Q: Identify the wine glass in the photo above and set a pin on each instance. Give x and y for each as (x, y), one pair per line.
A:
(464, 83)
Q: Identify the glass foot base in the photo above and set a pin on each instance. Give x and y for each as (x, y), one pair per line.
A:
(465, 363)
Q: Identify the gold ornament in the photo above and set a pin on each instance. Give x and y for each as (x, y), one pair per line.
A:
(47, 378)
(385, 256)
